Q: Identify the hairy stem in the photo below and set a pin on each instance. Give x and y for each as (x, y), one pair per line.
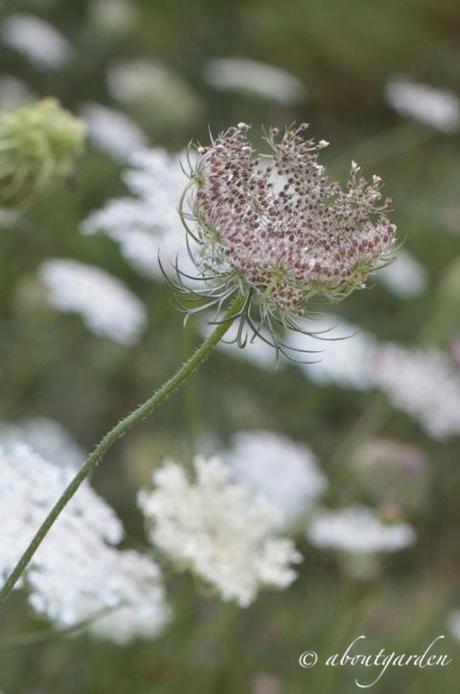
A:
(119, 430)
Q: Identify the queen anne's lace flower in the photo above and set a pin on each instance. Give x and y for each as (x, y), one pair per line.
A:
(147, 226)
(218, 529)
(276, 230)
(438, 108)
(287, 473)
(38, 40)
(358, 529)
(424, 384)
(406, 277)
(107, 307)
(49, 439)
(453, 624)
(243, 74)
(112, 131)
(76, 572)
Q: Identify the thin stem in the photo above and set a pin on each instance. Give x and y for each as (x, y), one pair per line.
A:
(119, 430)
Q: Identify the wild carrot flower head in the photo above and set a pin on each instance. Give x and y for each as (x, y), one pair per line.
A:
(275, 228)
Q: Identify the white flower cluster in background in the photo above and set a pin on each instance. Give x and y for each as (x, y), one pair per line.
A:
(453, 624)
(246, 75)
(437, 108)
(13, 93)
(107, 307)
(285, 472)
(405, 277)
(77, 573)
(424, 384)
(113, 17)
(37, 40)
(359, 530)
(147, 225)
(345, 355)
(218, 530)
(112, 131)
(47, 438)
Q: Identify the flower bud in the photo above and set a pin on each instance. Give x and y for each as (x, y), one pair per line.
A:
(38, 146)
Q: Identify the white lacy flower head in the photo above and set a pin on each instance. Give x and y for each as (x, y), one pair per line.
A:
(218, 530)
(47, 438)
(345, 356)
(285, 472)
(36, 39)
(358, 530)
(112, 131)
(424, 384)
(77, 572)
(406, 277)
(13, 93)
(106, 305)
(243, 74)
(438, 108)
(147, 225)
(453, 624)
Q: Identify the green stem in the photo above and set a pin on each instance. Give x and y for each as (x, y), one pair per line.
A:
(119, 430)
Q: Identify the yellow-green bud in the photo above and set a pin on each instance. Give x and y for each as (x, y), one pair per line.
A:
(38, 146)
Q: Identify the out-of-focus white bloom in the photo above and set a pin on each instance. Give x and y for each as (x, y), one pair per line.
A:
(359, 530)
(218, 529)
(424, 384)
(243, 74)
(76, 572)
(154, 90)
(113, 17)
(287, 473)
(112, 131)
(106, 305)
(39, 41)
(347, 353)
(148, 224)
(258, 353)
(406, 277)
(453, 624)
(47, 438)
(438, 108)
(13, 93)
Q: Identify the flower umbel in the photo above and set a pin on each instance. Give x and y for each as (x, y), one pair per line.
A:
(274, 227)
(217, 529)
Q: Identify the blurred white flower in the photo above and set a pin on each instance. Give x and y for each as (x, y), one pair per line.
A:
(112, 131)
(47, 438)
(243, 74)
(257, 353)
(154, 90)
(422, 383)
(13, 93)
(36, 39)
(405, 277)
(345, 353)
(76, 572)
(148, 224)
(453, 624)
(113, 17)
(106, 305)
(217, 529)
(359, 530)
(285, 472)
(438, 108)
